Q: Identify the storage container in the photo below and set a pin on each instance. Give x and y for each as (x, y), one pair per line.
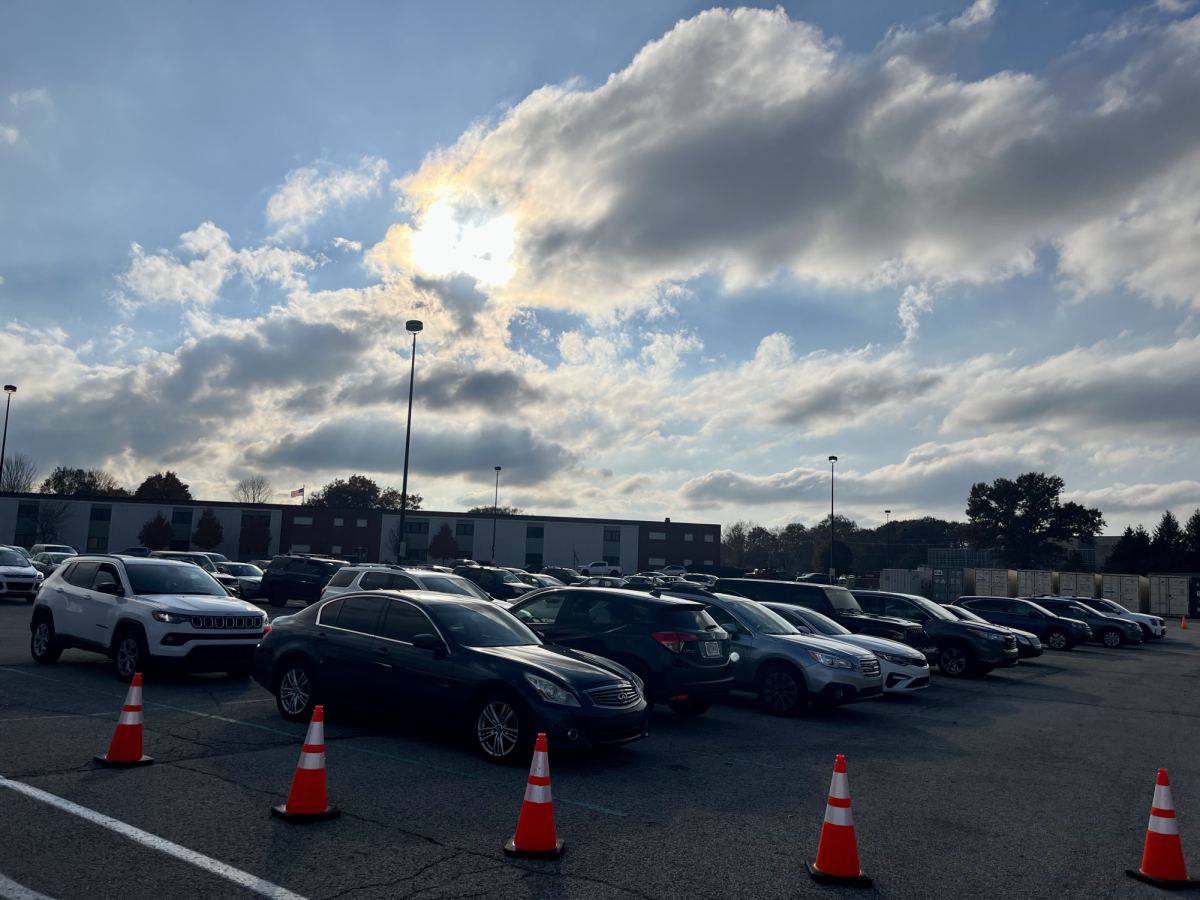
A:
(947, 585)
(906, 581)
(1174, 594)
(1131, 591)
(1079, 584)
(1034, 582)
(995, 583)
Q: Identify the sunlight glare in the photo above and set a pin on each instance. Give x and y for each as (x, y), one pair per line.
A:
(481, 249)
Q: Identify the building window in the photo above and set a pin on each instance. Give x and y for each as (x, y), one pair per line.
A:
(338, 523)
(687, 537)
(658, 535)
(302, 520)
(416, 528)
(336, 548)
(613, 535)
(708, 539)
(362, 523)
(301, 548)
(360, 552)
(533, 559)
(98, 544)
(465, 529)
(537, 532)
(27, 515)
(101, 514)
(656, 562)
(418, 555)
(181, 517)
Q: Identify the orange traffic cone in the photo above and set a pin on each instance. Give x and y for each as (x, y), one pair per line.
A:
(125, 751)
(1183, 624)
(307, 802)
(535, 829)
(1162, 860)
(837, 854)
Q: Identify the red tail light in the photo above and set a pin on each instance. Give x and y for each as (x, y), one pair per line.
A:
(674, 640)
(266, 629)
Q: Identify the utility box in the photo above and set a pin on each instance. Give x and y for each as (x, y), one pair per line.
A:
(1080, 584)
(906, 581)
(1174, 594)
(947, 585)
(995, 583)
(1130, 591)
(1034, 582)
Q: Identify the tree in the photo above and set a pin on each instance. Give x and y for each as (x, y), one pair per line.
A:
(733, 543)
(762, 548)
(67, 482)
(843, 558)
(209, 533)
(1168, 546)
(156, 534)
(1192, 535)
(360, 492)
(494, 511)
(1131, 554)
(253, 489)
(1025, 520)
(52, 518)
(163, 486)
(443, 545)
(255, 538)
(390, 498)
(20, 474)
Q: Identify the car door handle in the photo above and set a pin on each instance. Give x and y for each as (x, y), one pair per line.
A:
(321, 636)
(382, 651)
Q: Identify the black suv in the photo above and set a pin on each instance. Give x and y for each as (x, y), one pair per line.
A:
(673, 645)
(298, 577)
(963, 648)
(500, 584)
(833, 601)
(1055, 632)
(566, 576)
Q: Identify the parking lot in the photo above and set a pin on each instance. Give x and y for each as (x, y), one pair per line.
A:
(1029, 782)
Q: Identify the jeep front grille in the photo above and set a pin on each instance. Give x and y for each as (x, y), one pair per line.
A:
(227, 621)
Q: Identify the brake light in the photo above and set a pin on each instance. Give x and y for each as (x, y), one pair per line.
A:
(674, 640)
(266, 629)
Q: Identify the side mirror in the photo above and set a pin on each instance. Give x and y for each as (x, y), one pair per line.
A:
(804, 629)
(428, 642)
(113, 590)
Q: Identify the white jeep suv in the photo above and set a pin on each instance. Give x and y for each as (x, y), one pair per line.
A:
(601, 568)
(144, 613)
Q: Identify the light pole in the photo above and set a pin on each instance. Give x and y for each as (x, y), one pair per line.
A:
(413, 326)
(495, 514)
(832, 569)
(9, 389)
(887, 539)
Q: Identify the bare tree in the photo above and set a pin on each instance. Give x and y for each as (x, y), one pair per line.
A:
(20, 474)
(52, 518)
(253, 489)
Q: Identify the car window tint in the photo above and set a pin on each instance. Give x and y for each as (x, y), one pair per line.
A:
(329, 612)
(106, 574)
(375, 581)
(314, 568)
(403, 620)
(296, 565)
(543, 610)
(81, 575)
(342, 578)
(402, 583)
(873, 605)
(722, 618)
(894, 606)
(361, 614)
(996, 606)
(600, 610)
(691, 618)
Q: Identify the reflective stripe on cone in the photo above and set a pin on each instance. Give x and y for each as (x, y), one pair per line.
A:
(307, 800)
(125, 750)
(535, 835)
(837, 854)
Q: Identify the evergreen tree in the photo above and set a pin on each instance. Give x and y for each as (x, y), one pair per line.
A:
(209, 533)
(156, 534)
(443, 545)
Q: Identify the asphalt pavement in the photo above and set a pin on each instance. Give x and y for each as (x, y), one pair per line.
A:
(1033, 782)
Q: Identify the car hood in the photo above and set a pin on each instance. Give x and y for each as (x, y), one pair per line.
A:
(904, 624)
(988, 626)
(1028, 635)
(209, 605)
(1078, 623)
(812, 642)
(572, 666)
(877, 644)
(29, 571)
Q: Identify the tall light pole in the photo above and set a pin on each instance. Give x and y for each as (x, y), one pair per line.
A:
(9, 389)
(413, 327)
(495, 514)
(832, 569)
(887, 539)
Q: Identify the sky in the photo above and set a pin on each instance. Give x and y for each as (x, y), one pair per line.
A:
(668, 258)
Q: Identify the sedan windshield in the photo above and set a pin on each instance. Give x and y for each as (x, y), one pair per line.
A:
(156, 578)
(508, 577)
(821, 623)
(932, 608)
(484, 626)
(12, 558)
(759, 618)
(443, 584)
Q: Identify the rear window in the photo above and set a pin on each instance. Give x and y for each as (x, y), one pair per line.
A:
(331, 567)
(842, 599)
(342, 578)
(692, 618)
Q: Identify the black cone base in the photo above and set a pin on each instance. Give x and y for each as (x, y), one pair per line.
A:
(511, 849)
(281, 812)
(122, 763)
(1162, 882)
(844, 880)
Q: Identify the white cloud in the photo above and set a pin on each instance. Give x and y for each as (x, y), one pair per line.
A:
(344, 244)
(26, 99)
(9, 135)
(1143, 498)
(307, 193)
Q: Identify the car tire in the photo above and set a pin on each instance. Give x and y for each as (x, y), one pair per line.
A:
(690, 707)
(956, 661)
(131, 654)
(43, 644)
(501, 729)
(1057, 639)
(277, 595)
(295, 689)
(782, 690)
(1112, 637)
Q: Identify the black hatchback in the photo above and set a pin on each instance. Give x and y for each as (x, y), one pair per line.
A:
(674, 646)
(456, 662)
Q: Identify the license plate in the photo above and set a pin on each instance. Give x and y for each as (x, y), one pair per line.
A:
(712, 648)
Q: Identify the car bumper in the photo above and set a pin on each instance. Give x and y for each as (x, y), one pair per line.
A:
(686, 684)
(583, 729)
(1027, 651)
(905, 679)
(992, 654)
(206, 658)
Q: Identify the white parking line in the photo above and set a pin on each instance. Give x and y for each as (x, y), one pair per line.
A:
(237, 876)
(10, 890)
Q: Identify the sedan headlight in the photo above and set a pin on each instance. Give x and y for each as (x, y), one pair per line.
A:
(899, 660)
(551, 692)
(987, 635)
(830, 661)
(1022, 639)
(170, 618)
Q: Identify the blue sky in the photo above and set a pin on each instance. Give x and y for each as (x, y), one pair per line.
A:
(669, 259)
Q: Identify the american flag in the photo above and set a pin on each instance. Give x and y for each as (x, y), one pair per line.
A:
(299, 493)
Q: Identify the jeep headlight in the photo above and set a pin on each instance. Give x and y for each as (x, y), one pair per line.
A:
(551, 692)
(830, 661)
(170, 618)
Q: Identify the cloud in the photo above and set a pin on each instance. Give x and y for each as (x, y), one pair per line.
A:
(307, 193)
(9, 135)
(344, 244)
(446, 386)
(22, 100)
(1141, 498)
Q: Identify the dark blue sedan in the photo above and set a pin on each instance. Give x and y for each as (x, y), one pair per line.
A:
(463, 663)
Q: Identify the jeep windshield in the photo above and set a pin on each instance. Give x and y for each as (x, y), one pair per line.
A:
(156, 578)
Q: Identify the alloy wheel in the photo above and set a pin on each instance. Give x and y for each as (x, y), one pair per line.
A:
(498, 728)
(1057, 640)
(953, 661)
(295, 691)
(780, 691)
(41, 639)
(1112, 638)
(127, 657)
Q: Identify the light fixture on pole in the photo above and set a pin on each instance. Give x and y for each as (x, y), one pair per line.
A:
(832, 569)
(413, 327)
(887, 539)
(9, 389)
(495, 514)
